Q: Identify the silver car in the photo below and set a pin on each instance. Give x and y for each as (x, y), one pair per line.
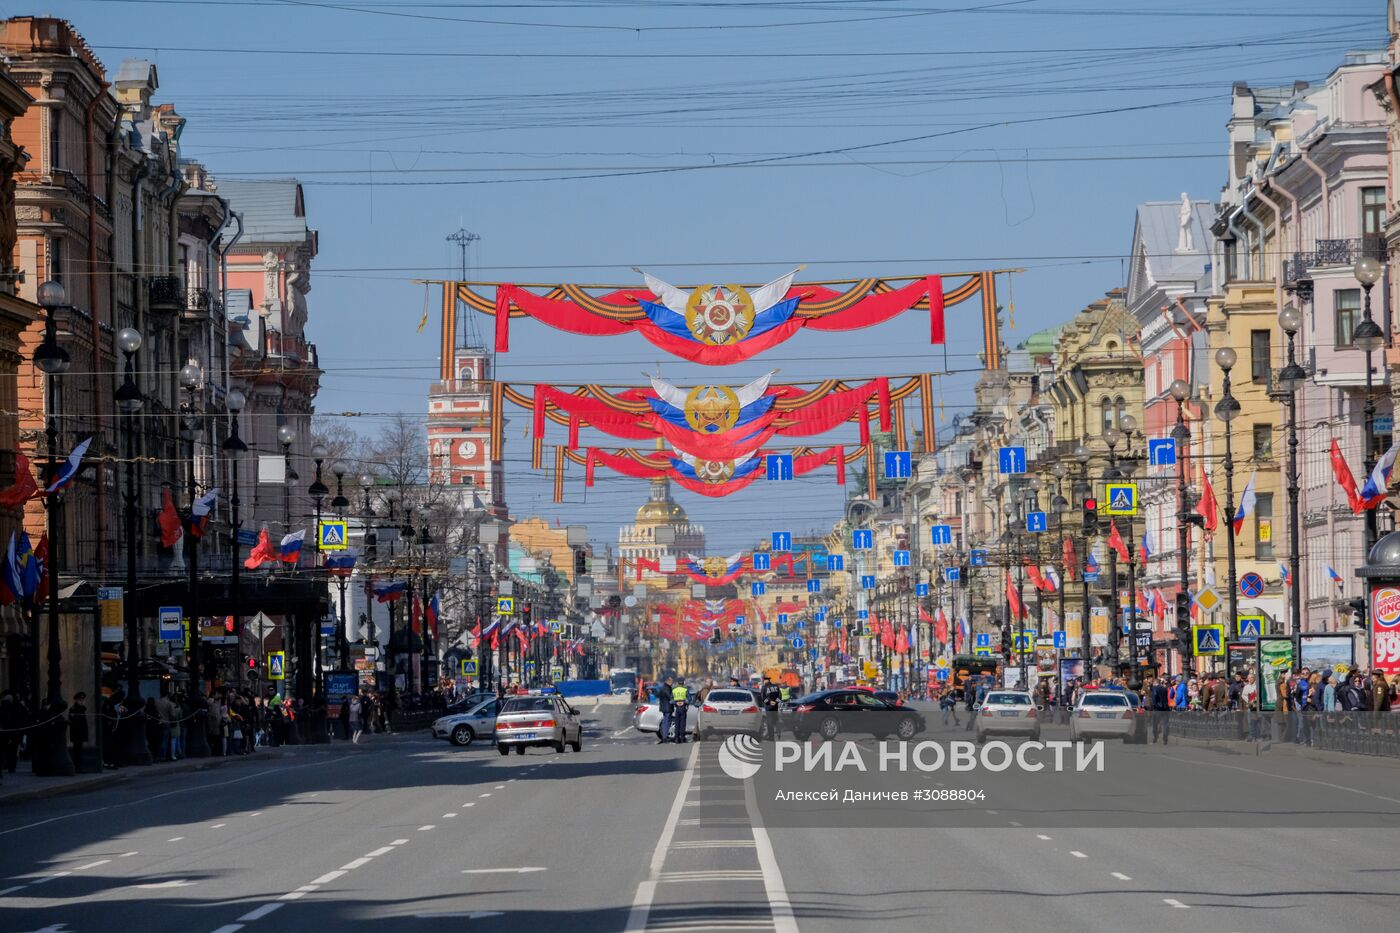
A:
(647, 718)
(524, 721)
(730, 709)
(462, 729)
(1104, 713)
(1008, 712)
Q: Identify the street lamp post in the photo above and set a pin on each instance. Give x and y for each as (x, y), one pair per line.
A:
(1059, 505)
(234, 447)
(1086, 645)
(425, 540)
(1368, 338)
(1113, 437)
(1125, 468)
(136, 750)
(286, 436)
(53, 361)
(1226, 409)
(318, 492)
(340, 504)
(191, 380)
(1290, 382)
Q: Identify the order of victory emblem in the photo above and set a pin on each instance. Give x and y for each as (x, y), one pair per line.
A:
(719, 314)
(710, 409)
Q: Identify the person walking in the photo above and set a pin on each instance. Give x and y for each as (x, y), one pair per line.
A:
(1159, 702)
(680, 697)
(771, 698)
(668, 709)
(355, 717)
(948, 702)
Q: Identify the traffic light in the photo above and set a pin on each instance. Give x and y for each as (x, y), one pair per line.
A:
(1358, 611)
(252, 664)
(1006, 640)
(1183, 621)
(1091, 517)
(525, 615)
(580, 562)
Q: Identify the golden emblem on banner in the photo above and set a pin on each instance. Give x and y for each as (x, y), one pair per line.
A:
(714, 471)
(719, 314)
(711, 409)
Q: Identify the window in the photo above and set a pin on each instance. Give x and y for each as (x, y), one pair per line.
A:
(1372, 213)
(1260, 355)
(1120, 408)
(56, 261)
(1346, 310)
(1106, 407)
(1263, 441)
(1264, 526)
(55, 138)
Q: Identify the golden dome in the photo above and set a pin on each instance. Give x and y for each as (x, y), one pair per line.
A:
(661, 509)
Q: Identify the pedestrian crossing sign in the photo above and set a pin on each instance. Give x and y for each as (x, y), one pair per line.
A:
(1023, 642)
(982, 651)
(331, 535)
(1208, 640)
(1251, 627)
(277, 665)
(505, 605)
(469, 667)
(1122, 499)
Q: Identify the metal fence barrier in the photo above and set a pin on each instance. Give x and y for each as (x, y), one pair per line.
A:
(1359, 733)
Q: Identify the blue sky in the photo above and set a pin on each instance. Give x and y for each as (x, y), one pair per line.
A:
(1029, 131)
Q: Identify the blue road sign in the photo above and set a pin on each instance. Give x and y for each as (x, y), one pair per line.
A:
(820, 614)
(1091, 576)
(921, 589)
(245, 536)
(797, 641)
(1035, 521)
(978, 558)
(814, 585)
(867, 581)
(782, 541)
(1021, 642)
(952, 574)
(862, 614)
(1161, 451)
(1382, 424)
(1012, 460)
(1251, 585)
(984, 639)
(762, 561)
(942, 673)
(169, 620)
(862, 539)
(768, 626)
(758, 588)
(899, 464)
(942, 534)
(332, 534)
(1061, 641)
(1251, 627)
(835, 562)
(801, 624)
(782, 619)
(740, 620)
(780, 466)
(901, 558)
(813, 653)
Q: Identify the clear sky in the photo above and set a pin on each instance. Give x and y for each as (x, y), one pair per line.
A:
(933, 135)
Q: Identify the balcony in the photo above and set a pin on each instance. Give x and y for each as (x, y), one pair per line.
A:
(1333, 253)
(166, 292)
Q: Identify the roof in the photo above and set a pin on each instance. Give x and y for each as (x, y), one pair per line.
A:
(272, 209)
(1042, 341)
(1159, 227)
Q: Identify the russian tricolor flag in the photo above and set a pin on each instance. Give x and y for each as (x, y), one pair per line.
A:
(290, 548)
(1373, 493)
(201, 510)
(1336, 577)
(388, 592)
(69, 470)
(1247, 501)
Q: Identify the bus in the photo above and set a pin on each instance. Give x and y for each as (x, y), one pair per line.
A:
(623, 680)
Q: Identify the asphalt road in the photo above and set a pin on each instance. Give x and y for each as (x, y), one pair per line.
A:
(407, 834)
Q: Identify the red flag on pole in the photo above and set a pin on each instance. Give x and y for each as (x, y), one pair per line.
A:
(1038, 579)
(169, 520)
(24, 487)
(1013, 600)
(1115, 540)
(1069, 560)
(940, 629)
(1344, 479)
(263, 552)
(1208, 508)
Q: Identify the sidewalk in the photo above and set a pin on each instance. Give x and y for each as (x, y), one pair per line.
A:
(22, 786)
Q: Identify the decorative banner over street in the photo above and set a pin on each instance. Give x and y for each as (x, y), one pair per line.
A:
(714, 478)
(717, 325)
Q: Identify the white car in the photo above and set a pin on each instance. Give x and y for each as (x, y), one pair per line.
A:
(526, 721)
(1103, 714)
(730, 709)
(462, 729)
(647, 718)
(1008, 712)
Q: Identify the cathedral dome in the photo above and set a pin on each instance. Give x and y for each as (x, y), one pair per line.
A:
(661, 509)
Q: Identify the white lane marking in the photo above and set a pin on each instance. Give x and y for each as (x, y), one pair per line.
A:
(487, 794)
(57, 874)
(101, 861)
(1120, 876)
(1014, 823)
(469, 803)
(427, 826)
(448, 816)
(993, 812)
(261, 912)
(621, 732)
(463, 914)
(229, 928)
(500, 787)
(292, 896)
(778, 903)
(130, 854)
(18, 887)
(1173, 902)
(646, 891)
(1077, 854)
(354, 864)
(256, 813)
(175, 839)
(309, 887)
(382, 850)
(503, 871)
(328, 877)
(172, 883)
(399, 842)
(1042, 837)
(218, 826)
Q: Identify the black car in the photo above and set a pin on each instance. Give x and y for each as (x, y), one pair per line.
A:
(829, 713)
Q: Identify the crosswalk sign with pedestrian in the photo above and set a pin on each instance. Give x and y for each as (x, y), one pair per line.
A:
(1251, 627)
(1208, 640)
(277, 665)
(1122, 499)
(505, 605)
(331, 535)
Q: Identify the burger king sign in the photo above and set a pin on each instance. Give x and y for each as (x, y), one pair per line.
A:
(1385, 628)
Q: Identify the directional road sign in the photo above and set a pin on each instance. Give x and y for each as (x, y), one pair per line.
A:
(978, 557)
(899, 464)
(814, 585)
(1035, 521)
(921, 589)
(1012, 460)
(862, 539)
(1161, 451)
(835, 562)
(952, 574)
(901, 558)
(797, 641)
(867, 582)
(762, 561)
(758, 588)
(780, 466)
(1251, 585)
(1122, 499)
(1208, 640)
(942, 534)
(782, 541)
(1061, 640)
(984, 639)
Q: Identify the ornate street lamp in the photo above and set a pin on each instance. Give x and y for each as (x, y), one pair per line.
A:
(318, 492)
(1291, 380)
(191, 378)
(53, 361)
(136, 751)
(340, 504)
(1086, 646)
(1226, 410)
(1368, 338)
(234, 447)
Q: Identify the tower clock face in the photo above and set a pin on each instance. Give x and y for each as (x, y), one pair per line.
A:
(467, 450)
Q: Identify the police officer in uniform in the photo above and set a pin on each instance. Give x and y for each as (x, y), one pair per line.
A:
(680, 698)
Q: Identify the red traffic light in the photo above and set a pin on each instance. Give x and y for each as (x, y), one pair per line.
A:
(1091, 503)
(252, 664)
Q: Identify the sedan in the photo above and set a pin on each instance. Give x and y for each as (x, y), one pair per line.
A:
(1105, 714)
(537, 720)
(1008, 712)
(828, 713)
(647, 718)
(462, 729)
(731, 710)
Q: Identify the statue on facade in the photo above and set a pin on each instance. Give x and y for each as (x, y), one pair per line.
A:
(1184, 241)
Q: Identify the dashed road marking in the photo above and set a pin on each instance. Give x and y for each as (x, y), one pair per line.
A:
(1173, 902)
(18, 887)
(101, 861)
(528, 869)
(382, 850)
(354, 864)
(1120, 876)
(175, 839)
(128, 854)
(425, 827)
(218, 826)
(1042, 837)
(329, 876)
(448, 816)
(487, 794)
(229, 928)
(260, 912)
(399, 842)
(1077, 854)
(57, 874)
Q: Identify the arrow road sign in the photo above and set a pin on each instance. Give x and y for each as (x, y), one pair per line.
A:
(1012, 460)
(1161, 451)
(1035, 521)
(942, 534)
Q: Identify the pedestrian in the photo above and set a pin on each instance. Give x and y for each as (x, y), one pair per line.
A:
(948, 702)
(345, 716)
(668, 709)
(680, 697)
(150, 721)
(1159, 702)
(970, 701)
(705, 690)
(109, 722)
(772, 699)
(78, 727)
(1380, 692)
